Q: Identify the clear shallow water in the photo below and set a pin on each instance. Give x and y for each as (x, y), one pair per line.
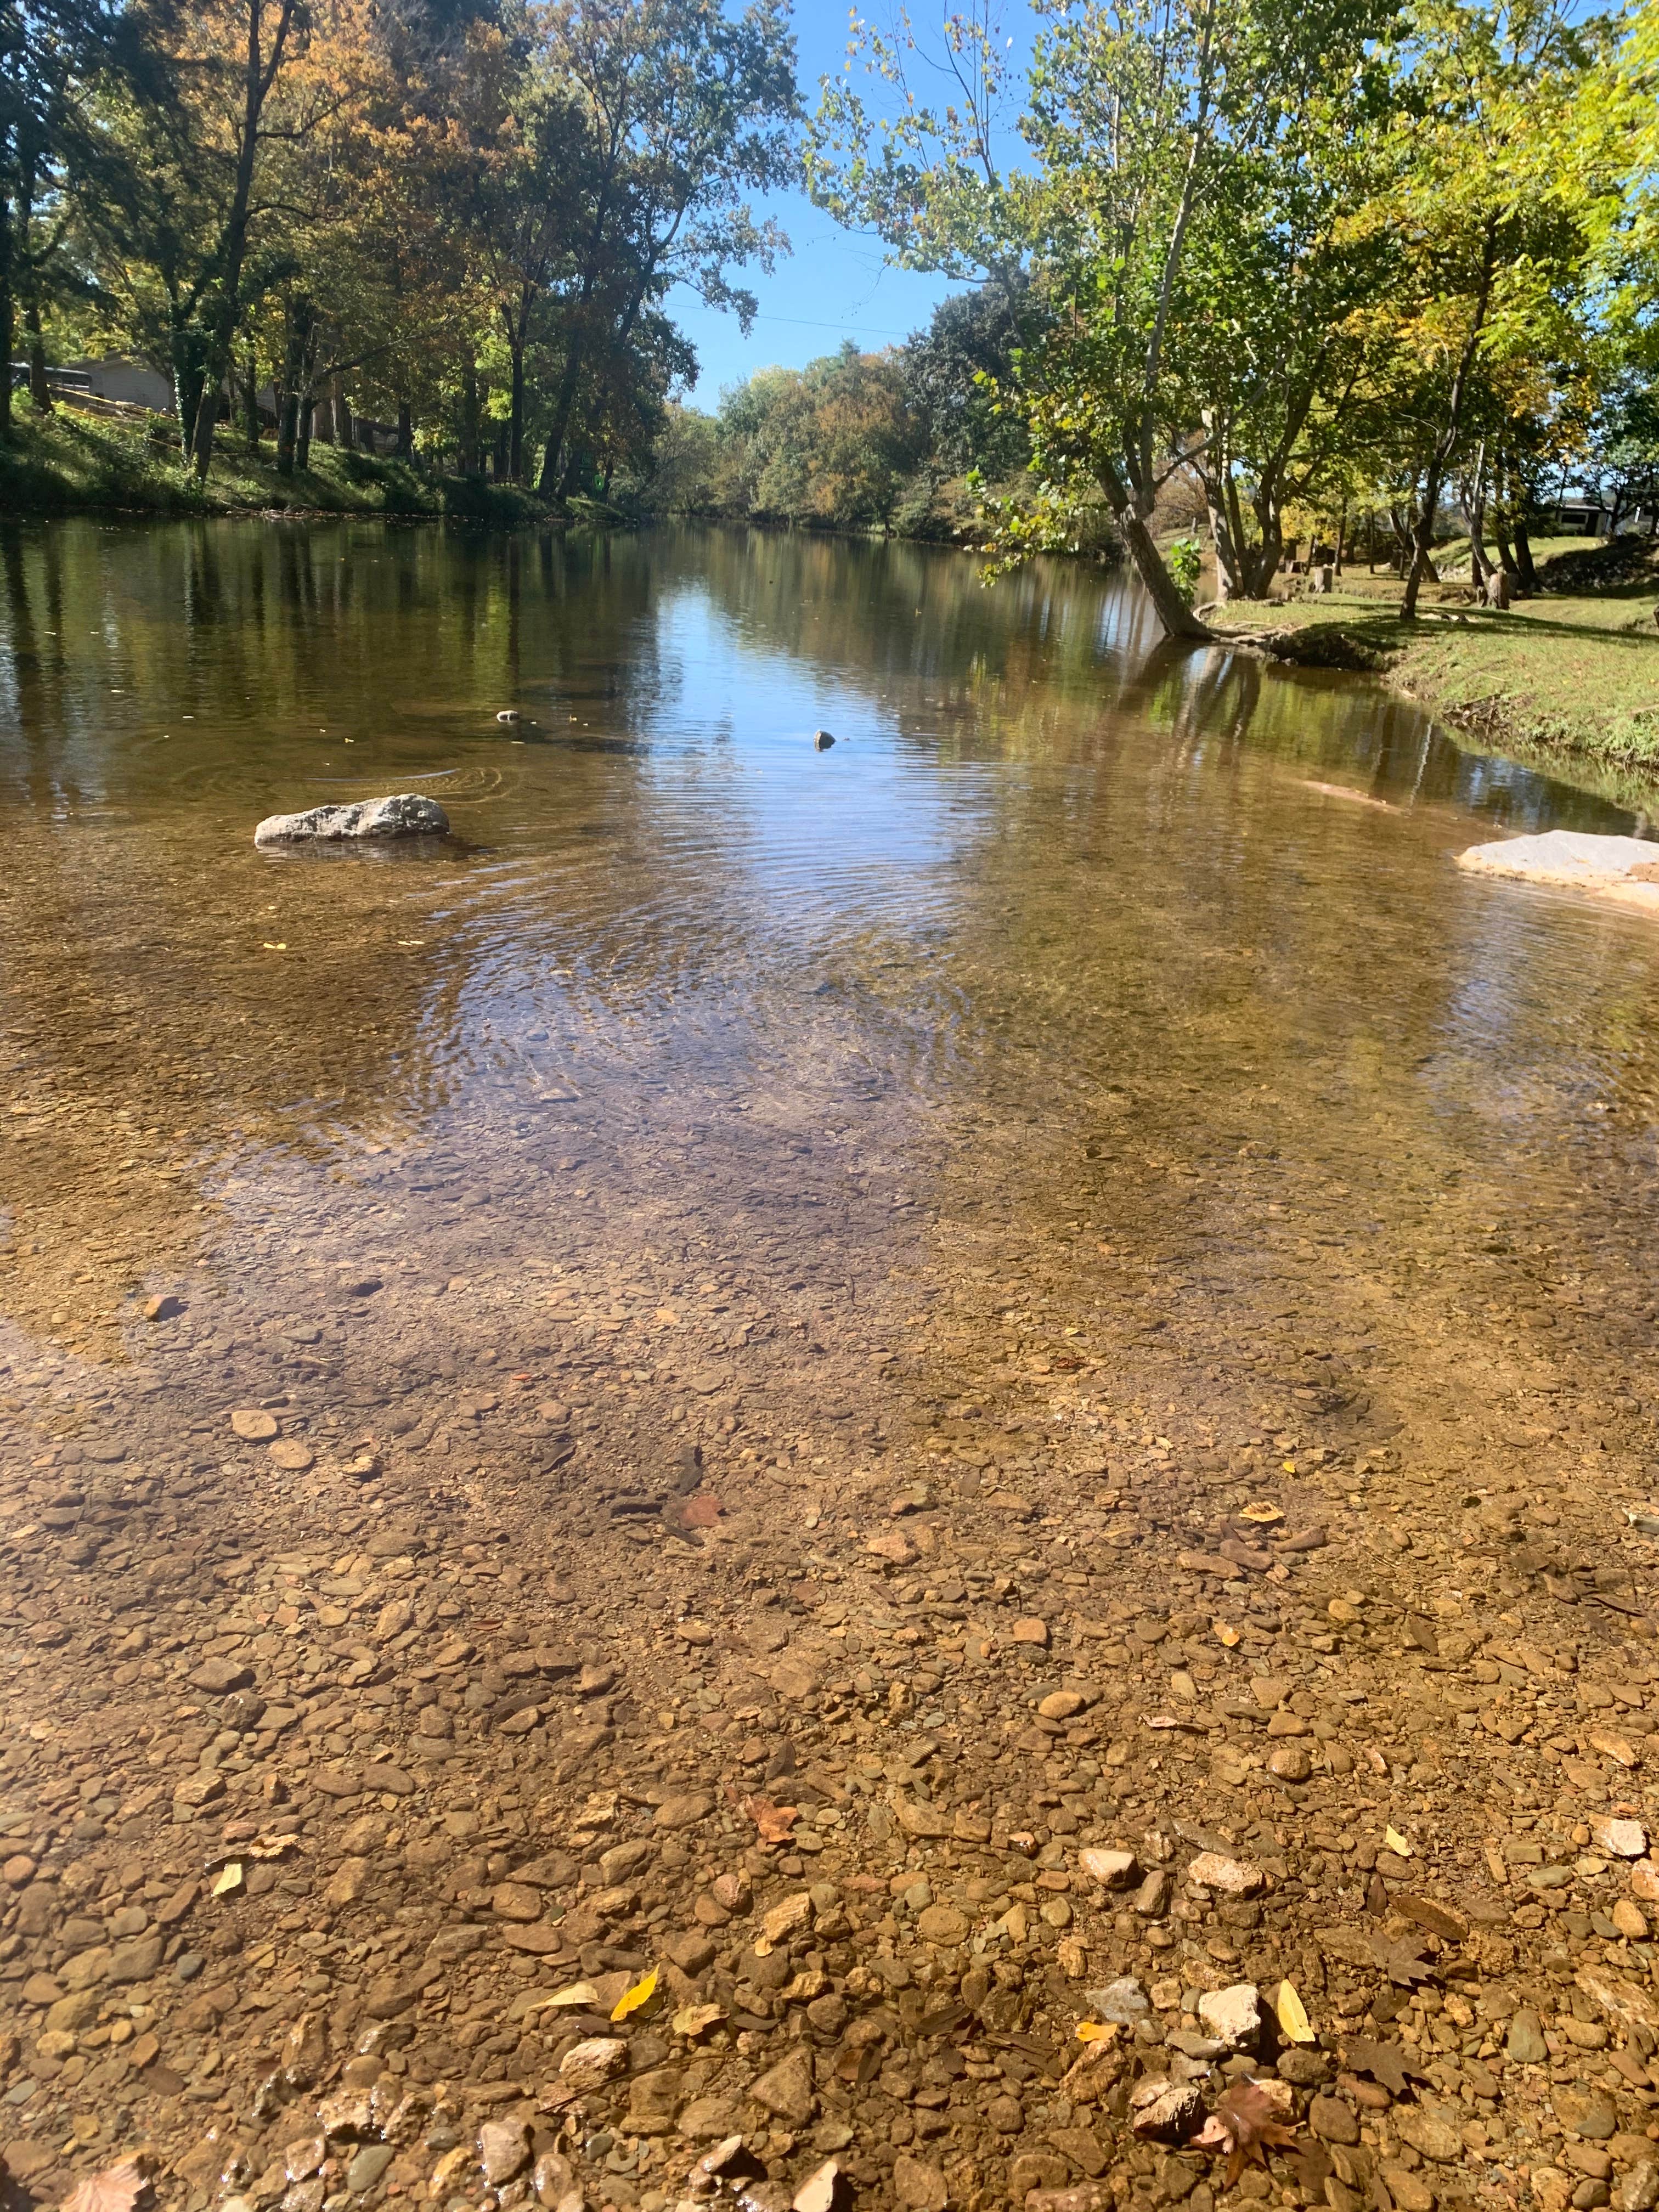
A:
(1062, 938)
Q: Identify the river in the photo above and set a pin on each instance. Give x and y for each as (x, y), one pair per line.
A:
(1066, 936)
(754, 1266)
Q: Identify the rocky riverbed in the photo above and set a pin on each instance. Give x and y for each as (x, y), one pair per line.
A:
(483, 1793)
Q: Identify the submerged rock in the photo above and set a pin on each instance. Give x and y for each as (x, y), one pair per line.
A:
(1625, 869)
(405, 814)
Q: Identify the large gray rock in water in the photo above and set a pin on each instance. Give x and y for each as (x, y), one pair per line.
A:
(1623, 869)
(406, 814)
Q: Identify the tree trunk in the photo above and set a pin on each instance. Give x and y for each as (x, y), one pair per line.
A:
(1524, 568)
(39, 389)
(258, 74)
(406, 431)
(1177, 618)
(307, 419)
(471, 456)
(554, 461)
(516, 414)
(8, 310)
(1446, 444)
(251, 399)
(186, 377)
(498, 453)
(342, 414)
(287, 431)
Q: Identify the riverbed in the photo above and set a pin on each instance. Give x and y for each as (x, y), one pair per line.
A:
(1084, 1099)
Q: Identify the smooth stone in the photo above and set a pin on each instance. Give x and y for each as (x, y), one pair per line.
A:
(1624, 869)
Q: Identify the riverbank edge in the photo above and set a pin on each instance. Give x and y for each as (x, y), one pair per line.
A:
(68, 464)
(1475, 672)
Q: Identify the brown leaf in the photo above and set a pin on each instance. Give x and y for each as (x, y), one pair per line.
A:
(701, 1512)
(1246, 2124)
(1387, 2063)
(774, 1821)
(115, 2189)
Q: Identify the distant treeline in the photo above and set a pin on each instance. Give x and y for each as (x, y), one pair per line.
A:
(904, 440)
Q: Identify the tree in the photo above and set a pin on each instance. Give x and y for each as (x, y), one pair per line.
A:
(1495, 207)
(955, 370)
(51, 52)
(673, 111)
(1155, 126)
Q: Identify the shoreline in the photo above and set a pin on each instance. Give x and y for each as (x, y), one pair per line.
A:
(1566, 682)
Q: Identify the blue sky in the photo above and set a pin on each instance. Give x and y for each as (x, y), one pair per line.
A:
(836, 283)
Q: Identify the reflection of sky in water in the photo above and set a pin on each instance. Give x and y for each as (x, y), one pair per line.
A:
(838, 838)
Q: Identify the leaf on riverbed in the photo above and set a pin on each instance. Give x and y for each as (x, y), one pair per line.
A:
(1246, 2124)
(117, 2189)
(228, 1880)
(1291, 2015)
(691, 2020)
(1097, 2030)
(631, 2000)
(774, 1821)
(701, 1511)
(1396, 1842)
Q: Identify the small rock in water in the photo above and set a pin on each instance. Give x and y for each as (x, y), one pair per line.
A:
(822, 741)
(404, 814)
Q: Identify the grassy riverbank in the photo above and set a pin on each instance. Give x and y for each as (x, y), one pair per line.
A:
(70, 463)
(1570, 677)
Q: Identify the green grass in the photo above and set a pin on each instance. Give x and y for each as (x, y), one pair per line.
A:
(70, 463)
(1570, 679)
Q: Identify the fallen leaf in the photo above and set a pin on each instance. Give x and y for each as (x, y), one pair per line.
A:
(117, 2189)
(693, 2020)
(273, 948)
(1262, 1512)
(1396, 1842)
(774, 1821)
(1230, 1636)
(1246, 2124)
(229, 1879)
(631, 2000)
(574, 1993)
(701, 1512)
(817, 2192)
(1387, 2063)
(1292, 2015)
(1097, 2030)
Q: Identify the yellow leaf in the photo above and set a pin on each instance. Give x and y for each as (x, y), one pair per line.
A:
(1263, 1513)
(1289, 1466)
(631, 2000)
(1230, 1636)
(1396, 1842)
(269, 947)
(692, 2020)
(1096, 2031)
(228, 1879)
(1292, 2015)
